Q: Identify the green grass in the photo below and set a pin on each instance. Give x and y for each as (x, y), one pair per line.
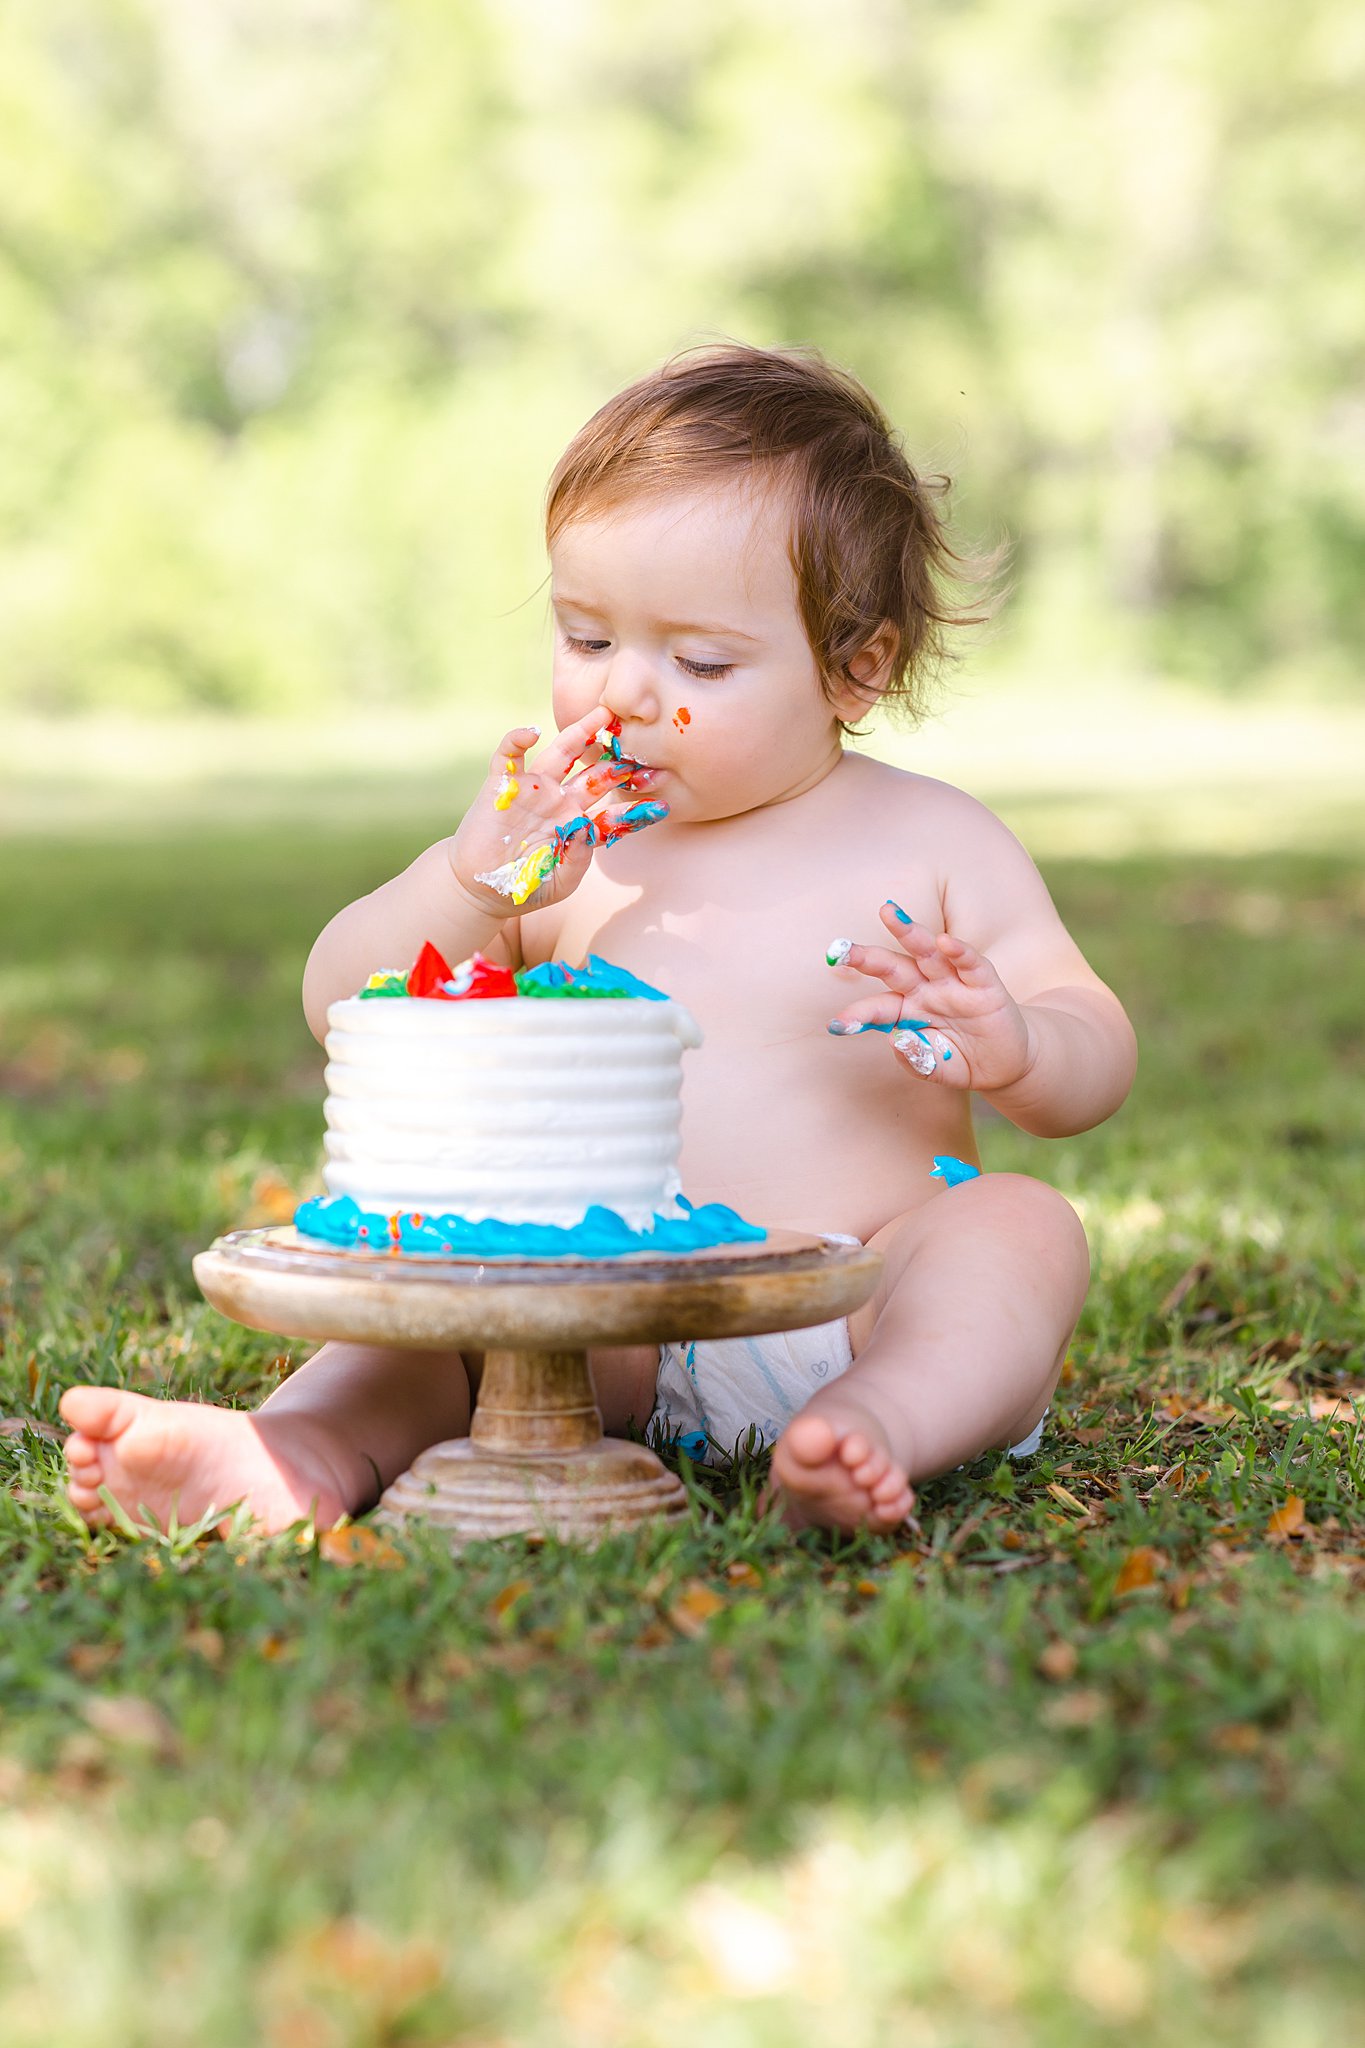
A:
(1079, 1762)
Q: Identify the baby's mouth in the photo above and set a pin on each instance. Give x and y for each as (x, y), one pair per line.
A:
(608, 738)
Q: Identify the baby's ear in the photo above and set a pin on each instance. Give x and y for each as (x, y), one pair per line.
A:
(866, 674)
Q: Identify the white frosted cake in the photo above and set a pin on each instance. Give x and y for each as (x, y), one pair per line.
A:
(526, 1110)
(496, 1113)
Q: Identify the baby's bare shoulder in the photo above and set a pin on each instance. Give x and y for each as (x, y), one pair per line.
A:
(900, 801)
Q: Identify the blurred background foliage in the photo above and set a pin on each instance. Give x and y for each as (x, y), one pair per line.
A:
(300, 299)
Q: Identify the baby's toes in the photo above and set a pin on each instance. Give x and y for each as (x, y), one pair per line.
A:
(809, 1439)
(888, 1486)
(854, 1451)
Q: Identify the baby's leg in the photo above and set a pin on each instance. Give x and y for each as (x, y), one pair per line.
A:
(956, 1353)
(323, 1444)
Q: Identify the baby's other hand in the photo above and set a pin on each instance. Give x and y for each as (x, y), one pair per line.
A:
(954, 1020)
(529, 835)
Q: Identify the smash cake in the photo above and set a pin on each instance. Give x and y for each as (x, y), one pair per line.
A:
(476, 1112)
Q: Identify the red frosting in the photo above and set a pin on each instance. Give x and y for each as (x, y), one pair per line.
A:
(428, 972)
(474, 980)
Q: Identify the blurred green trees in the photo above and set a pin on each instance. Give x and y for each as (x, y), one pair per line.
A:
(299, 300)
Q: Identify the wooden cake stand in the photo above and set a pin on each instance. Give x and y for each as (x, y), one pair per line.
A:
(535, 1459)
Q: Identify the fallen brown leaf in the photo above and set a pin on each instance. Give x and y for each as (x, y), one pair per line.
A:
(15, 1425)
(1236, 1738)
(1080, 1708)
(1058, 1662)
(741, 1574)
(272, 1200)
(1287, 1521)
(355, 1543)
(694, 1608)
(503, 1602)
(132, 1723)
(87, 1660)
(1322, 1407)
(1193, 1276)
(1139, 1568)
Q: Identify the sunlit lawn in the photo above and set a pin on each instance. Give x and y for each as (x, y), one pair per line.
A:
(1078, 1761)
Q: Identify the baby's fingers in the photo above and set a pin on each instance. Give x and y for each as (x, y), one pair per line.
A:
(607, 826)
(891, 968)
(606, 777)
(917, 940)
(512, 747)
(565, 748)
(874, 1013)
(966, 963)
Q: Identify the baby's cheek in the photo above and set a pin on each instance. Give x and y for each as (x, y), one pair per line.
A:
(571, 696)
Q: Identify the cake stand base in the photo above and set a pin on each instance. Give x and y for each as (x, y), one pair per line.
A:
(535, 1461)
(577, 1496)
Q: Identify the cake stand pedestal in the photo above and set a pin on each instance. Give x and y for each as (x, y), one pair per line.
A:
(535, 1460)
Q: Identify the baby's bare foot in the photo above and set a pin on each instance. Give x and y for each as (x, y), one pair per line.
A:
(162, 1457)
(832, 1468)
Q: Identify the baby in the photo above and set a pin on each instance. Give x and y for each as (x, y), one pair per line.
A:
(743, 565)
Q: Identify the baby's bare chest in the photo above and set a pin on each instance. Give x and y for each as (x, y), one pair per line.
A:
(742, 943)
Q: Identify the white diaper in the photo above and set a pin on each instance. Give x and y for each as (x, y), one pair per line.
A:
(709, 1395)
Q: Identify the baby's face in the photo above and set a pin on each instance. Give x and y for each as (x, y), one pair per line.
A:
(679, 615)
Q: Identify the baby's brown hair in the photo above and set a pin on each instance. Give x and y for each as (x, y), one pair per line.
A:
(869, 544)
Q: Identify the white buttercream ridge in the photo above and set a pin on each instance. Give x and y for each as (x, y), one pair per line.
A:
(524, 1108)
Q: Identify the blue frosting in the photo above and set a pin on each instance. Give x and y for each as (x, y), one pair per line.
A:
(595, 977)
(338, 1220)
(951, 1171)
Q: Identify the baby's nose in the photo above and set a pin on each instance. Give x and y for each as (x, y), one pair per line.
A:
(630, 690)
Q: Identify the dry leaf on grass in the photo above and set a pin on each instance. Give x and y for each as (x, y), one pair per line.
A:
(1080, 1708)
(694, 1608)
(357, 1544)
(503, 1602)
(15, 1425)
(1236, 1738)
(1193, 1276)
(1287, 1521)
(132, 1723)
(1340, 1406)
(272, 1200)
(1068, 1499)
(87, 1660)
(741, 1574)
(1058, 1662)
(1138, 1569)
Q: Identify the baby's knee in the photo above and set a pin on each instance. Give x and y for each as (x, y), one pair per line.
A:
(1047, 1223)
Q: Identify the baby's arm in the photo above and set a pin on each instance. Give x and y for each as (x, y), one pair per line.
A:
(441, 897)
(1081, 1052)
(1004, 996)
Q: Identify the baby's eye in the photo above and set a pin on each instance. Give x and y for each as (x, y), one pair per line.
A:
(707, 670)
(585, 646)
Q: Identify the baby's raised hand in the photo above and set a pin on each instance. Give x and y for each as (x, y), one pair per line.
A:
(530, 834)
(951, 1017)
